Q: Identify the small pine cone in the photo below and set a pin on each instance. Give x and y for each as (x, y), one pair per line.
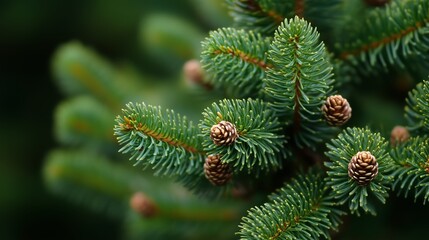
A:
(240, 191)
(217, 172)
(398, 135)
(143, 205)
(363, 168)
(223, 133)
(194, 74)
(337, 110)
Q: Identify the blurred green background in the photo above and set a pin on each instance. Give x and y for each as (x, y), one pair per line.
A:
(31, 31)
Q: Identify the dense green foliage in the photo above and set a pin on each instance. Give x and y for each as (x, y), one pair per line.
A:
(300, 210)
(341, 150)
(269, 76)
(260, 143)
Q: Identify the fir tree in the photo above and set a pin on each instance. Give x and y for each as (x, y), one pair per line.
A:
(276, 118)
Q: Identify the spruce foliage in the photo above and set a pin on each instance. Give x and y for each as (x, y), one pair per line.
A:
(301, 209)
(300, 79)
(389, 36)
(235, 61)
(341, 151)
(411, 168)
(417, 107)
(163, 139)
(259, 146)
(271, 73)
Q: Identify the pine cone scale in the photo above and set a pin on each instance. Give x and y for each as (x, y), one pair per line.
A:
(336, 110)
(363, 168)
(223, 133)
(217, 172)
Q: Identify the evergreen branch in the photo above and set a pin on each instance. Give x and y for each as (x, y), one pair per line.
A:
(299, 210)
(265, 16)
(105, 186)
(417, 108)
(260, 141)
(201, 186)
(276, 14)
(262, 16)
(164, 140)
(173, 45)
(390, 35)
(168, 143)
(412, 168)
(84, 121)
(79, 70)
(235, 57)
(341, 151)
(88, 178)
(300, 80)
(242, 56)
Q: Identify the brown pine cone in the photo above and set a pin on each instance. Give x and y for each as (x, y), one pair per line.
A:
(143, 205)
(363, 168)
(217, 172)
(194, 74)
(398, 135)
(223, 133)
(337, 110)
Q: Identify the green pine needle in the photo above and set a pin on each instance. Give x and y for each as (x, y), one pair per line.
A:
(341, 151)
(260, 142)
(300, 80)
(412, 168)
(80, 70)
(417, 108)
(90, 179)
(390, 36)
(262, 16)
(299, 210)
(235, 61)
(162, 139)
(84, 121)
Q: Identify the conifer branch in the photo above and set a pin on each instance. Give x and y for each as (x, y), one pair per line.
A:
(170, 44)
(262, 16)
(79, 70)
(88, 178)
(279, 78)
(299, 210)
(417, 108)
(84, 121)
(265, 16)
(243, 56)
(237, 58)
(300, 80)
(411, 160)
(260, 143)
(167, 142)
(91, 179)
(390, 35)
(164, 140)
(341, 151)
